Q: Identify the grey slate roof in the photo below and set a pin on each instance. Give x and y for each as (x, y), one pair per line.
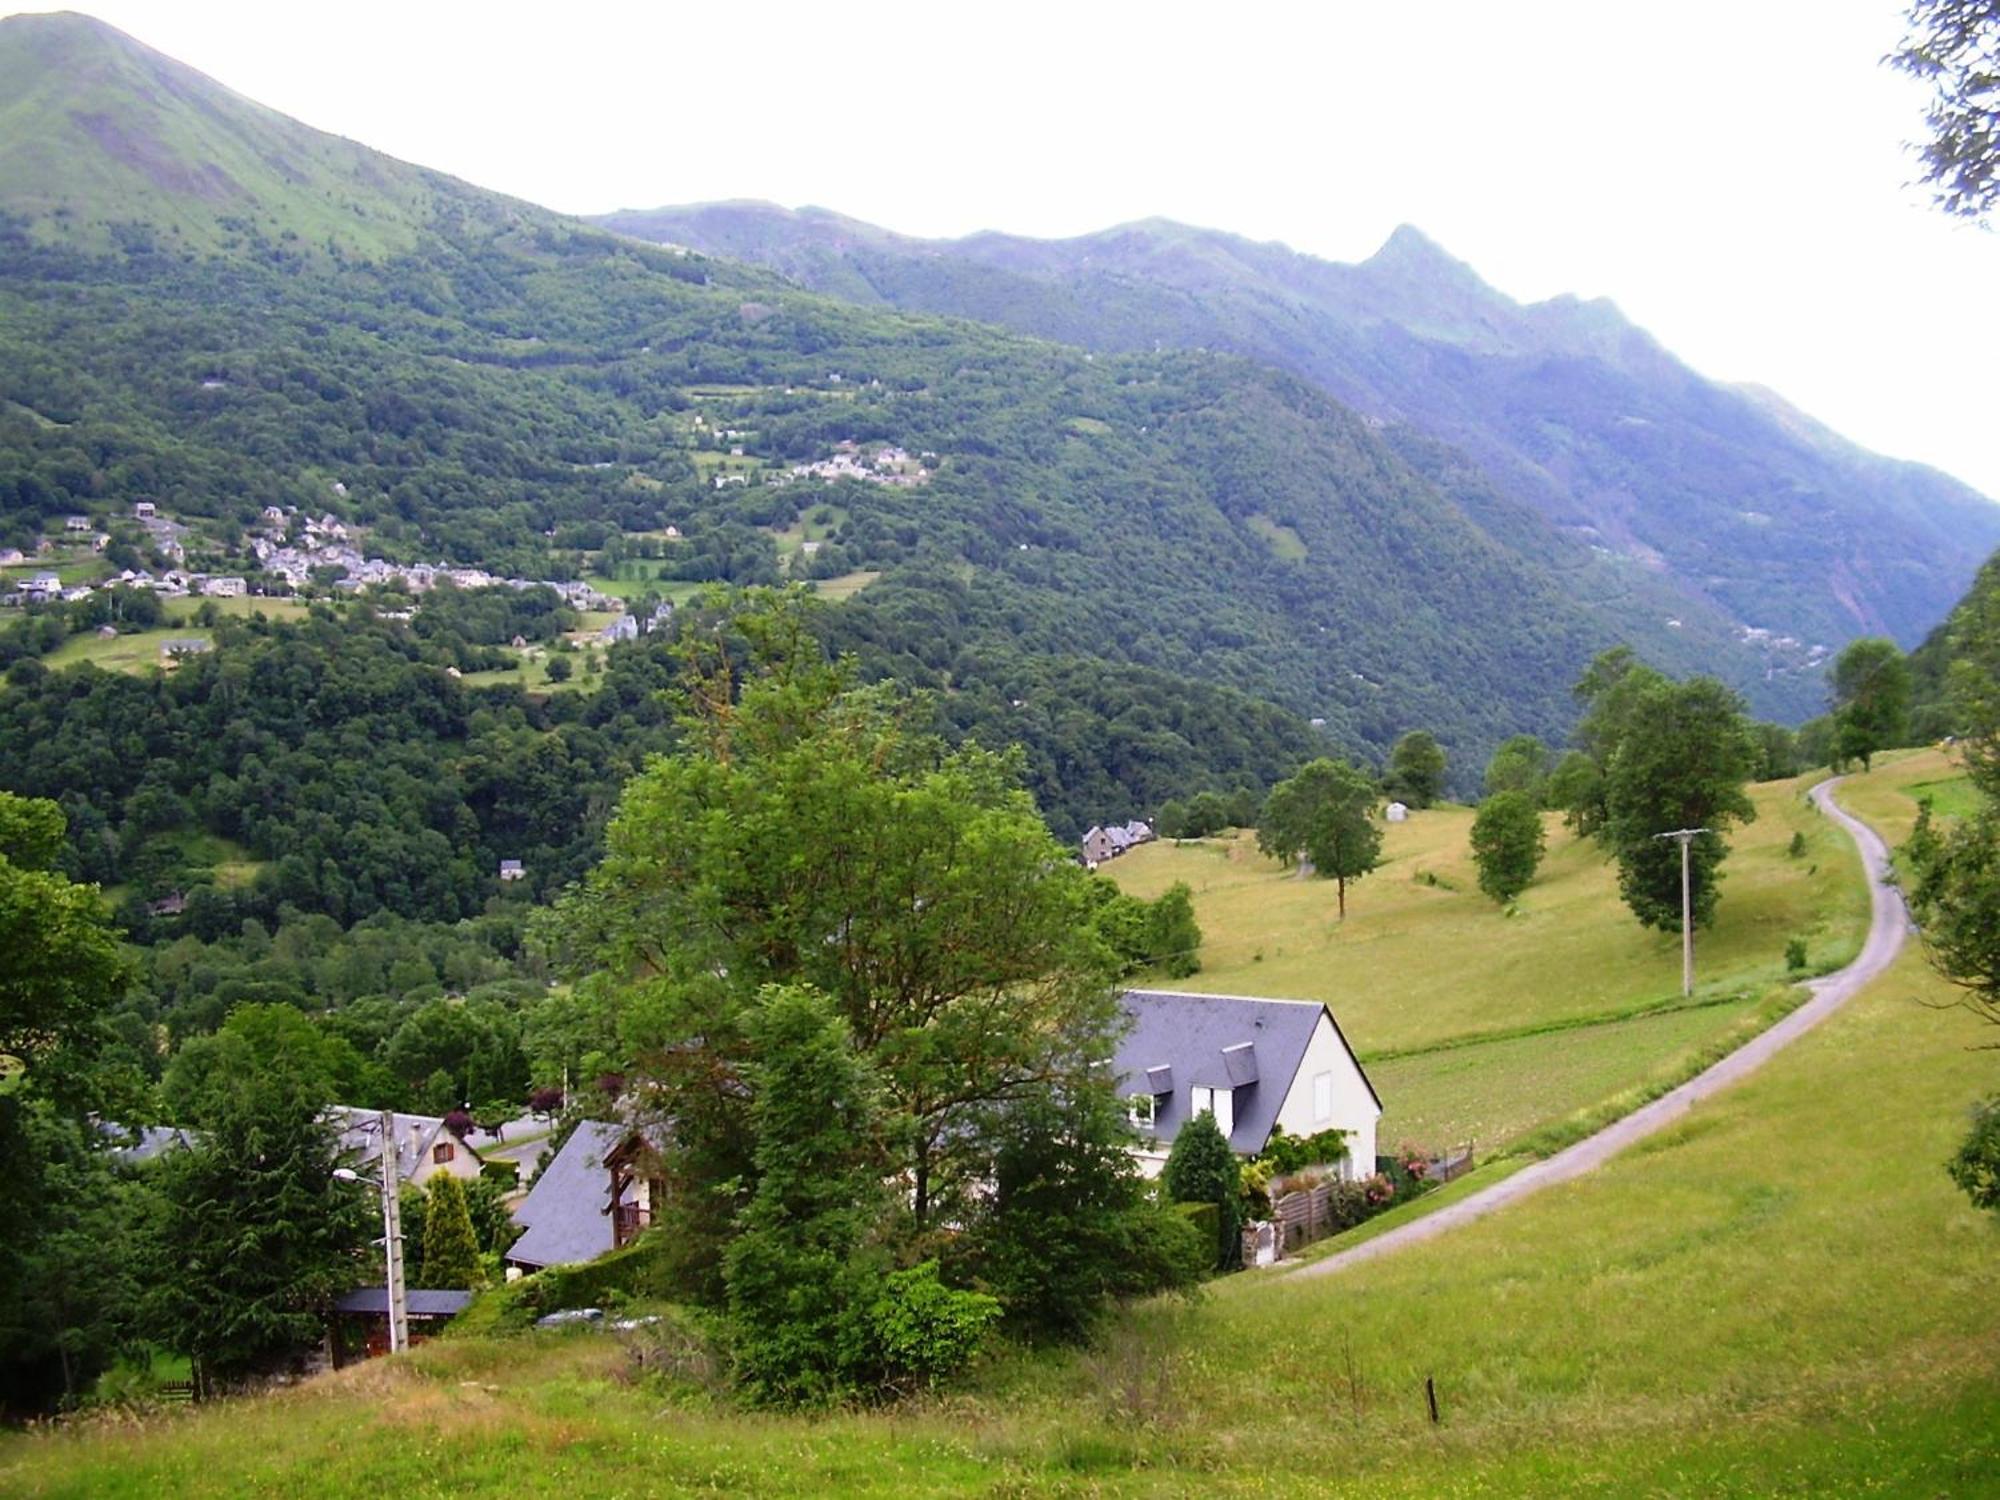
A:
(419, 1302)
(361, 1138)
(1200, 1040)
(565, 1213)
(153, 1140)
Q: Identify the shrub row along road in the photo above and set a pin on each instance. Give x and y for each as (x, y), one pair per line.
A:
(1888, 927)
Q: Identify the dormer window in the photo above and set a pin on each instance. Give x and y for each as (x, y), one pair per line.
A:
(1140, 1108)
(1218, 1102)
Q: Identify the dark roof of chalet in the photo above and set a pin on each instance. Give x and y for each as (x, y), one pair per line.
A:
(1251, 1046)
(419, 1302)
(565, 1213)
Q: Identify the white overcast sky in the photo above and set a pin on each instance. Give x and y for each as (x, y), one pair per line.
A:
(1734, 175)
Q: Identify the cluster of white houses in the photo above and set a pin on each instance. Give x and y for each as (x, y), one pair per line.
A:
(1101, 844)
(289, 549)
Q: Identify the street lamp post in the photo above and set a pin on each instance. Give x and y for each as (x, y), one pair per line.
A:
(392, 1232)
(1684, 837)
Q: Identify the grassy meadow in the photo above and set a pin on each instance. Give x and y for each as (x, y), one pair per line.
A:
(1782, 1294)
(139, 652)
(1476, 1024)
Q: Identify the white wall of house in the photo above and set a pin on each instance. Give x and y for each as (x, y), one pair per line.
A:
(463, 1163)
(1329, 1093)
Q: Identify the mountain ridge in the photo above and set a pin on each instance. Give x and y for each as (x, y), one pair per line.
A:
(1570, 407)
(102, 137)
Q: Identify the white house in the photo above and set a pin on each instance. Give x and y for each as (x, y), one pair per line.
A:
(1396, 812)
(1256, 1065)
(423, 1147)
(224, 588)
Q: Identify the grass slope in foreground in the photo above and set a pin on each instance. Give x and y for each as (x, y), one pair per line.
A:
(1780, 1295)
(1475, 1024)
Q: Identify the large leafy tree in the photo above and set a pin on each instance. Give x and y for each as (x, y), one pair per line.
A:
(64, 1283)
(1681, 760)
(1957, 891)
(62, 960)
(1956, 895)
(1326, 814)
(813, 834)
(1416, 768)
(1521, 764)
(1507, 844)
(1871, 688)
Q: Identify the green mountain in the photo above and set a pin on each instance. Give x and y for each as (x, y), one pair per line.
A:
(1734, 499)
(1151, 569)
(102, 138)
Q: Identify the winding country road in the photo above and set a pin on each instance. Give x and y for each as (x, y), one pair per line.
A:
(1889, 925)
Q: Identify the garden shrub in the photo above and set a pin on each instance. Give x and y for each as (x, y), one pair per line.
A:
(925, 1331)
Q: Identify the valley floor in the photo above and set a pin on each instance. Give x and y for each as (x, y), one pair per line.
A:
(1782, 1294)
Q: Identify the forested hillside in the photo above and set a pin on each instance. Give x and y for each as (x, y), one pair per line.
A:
(1737, 502)
(511, 390)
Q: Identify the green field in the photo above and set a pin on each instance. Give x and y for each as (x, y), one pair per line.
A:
(846, 585)
(532, 674)
(140, 651)
(244, 607)
(639, 577)
(1479, 1025)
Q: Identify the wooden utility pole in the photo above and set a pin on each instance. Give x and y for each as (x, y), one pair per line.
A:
(1684, 837)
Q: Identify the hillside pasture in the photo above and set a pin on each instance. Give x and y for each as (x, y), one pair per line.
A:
(1476, 1024)
(1424, 959)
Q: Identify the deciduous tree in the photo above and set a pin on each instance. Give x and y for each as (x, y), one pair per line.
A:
(1871, 698)
(1507, 844)
(1325, 813)
(1681, 762)
(1416, 768)
(1521, 764)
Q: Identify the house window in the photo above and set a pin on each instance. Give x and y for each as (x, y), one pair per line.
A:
(1141, 1109)
(442, 1152)
(1322, 1098)
(1218, 1102)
